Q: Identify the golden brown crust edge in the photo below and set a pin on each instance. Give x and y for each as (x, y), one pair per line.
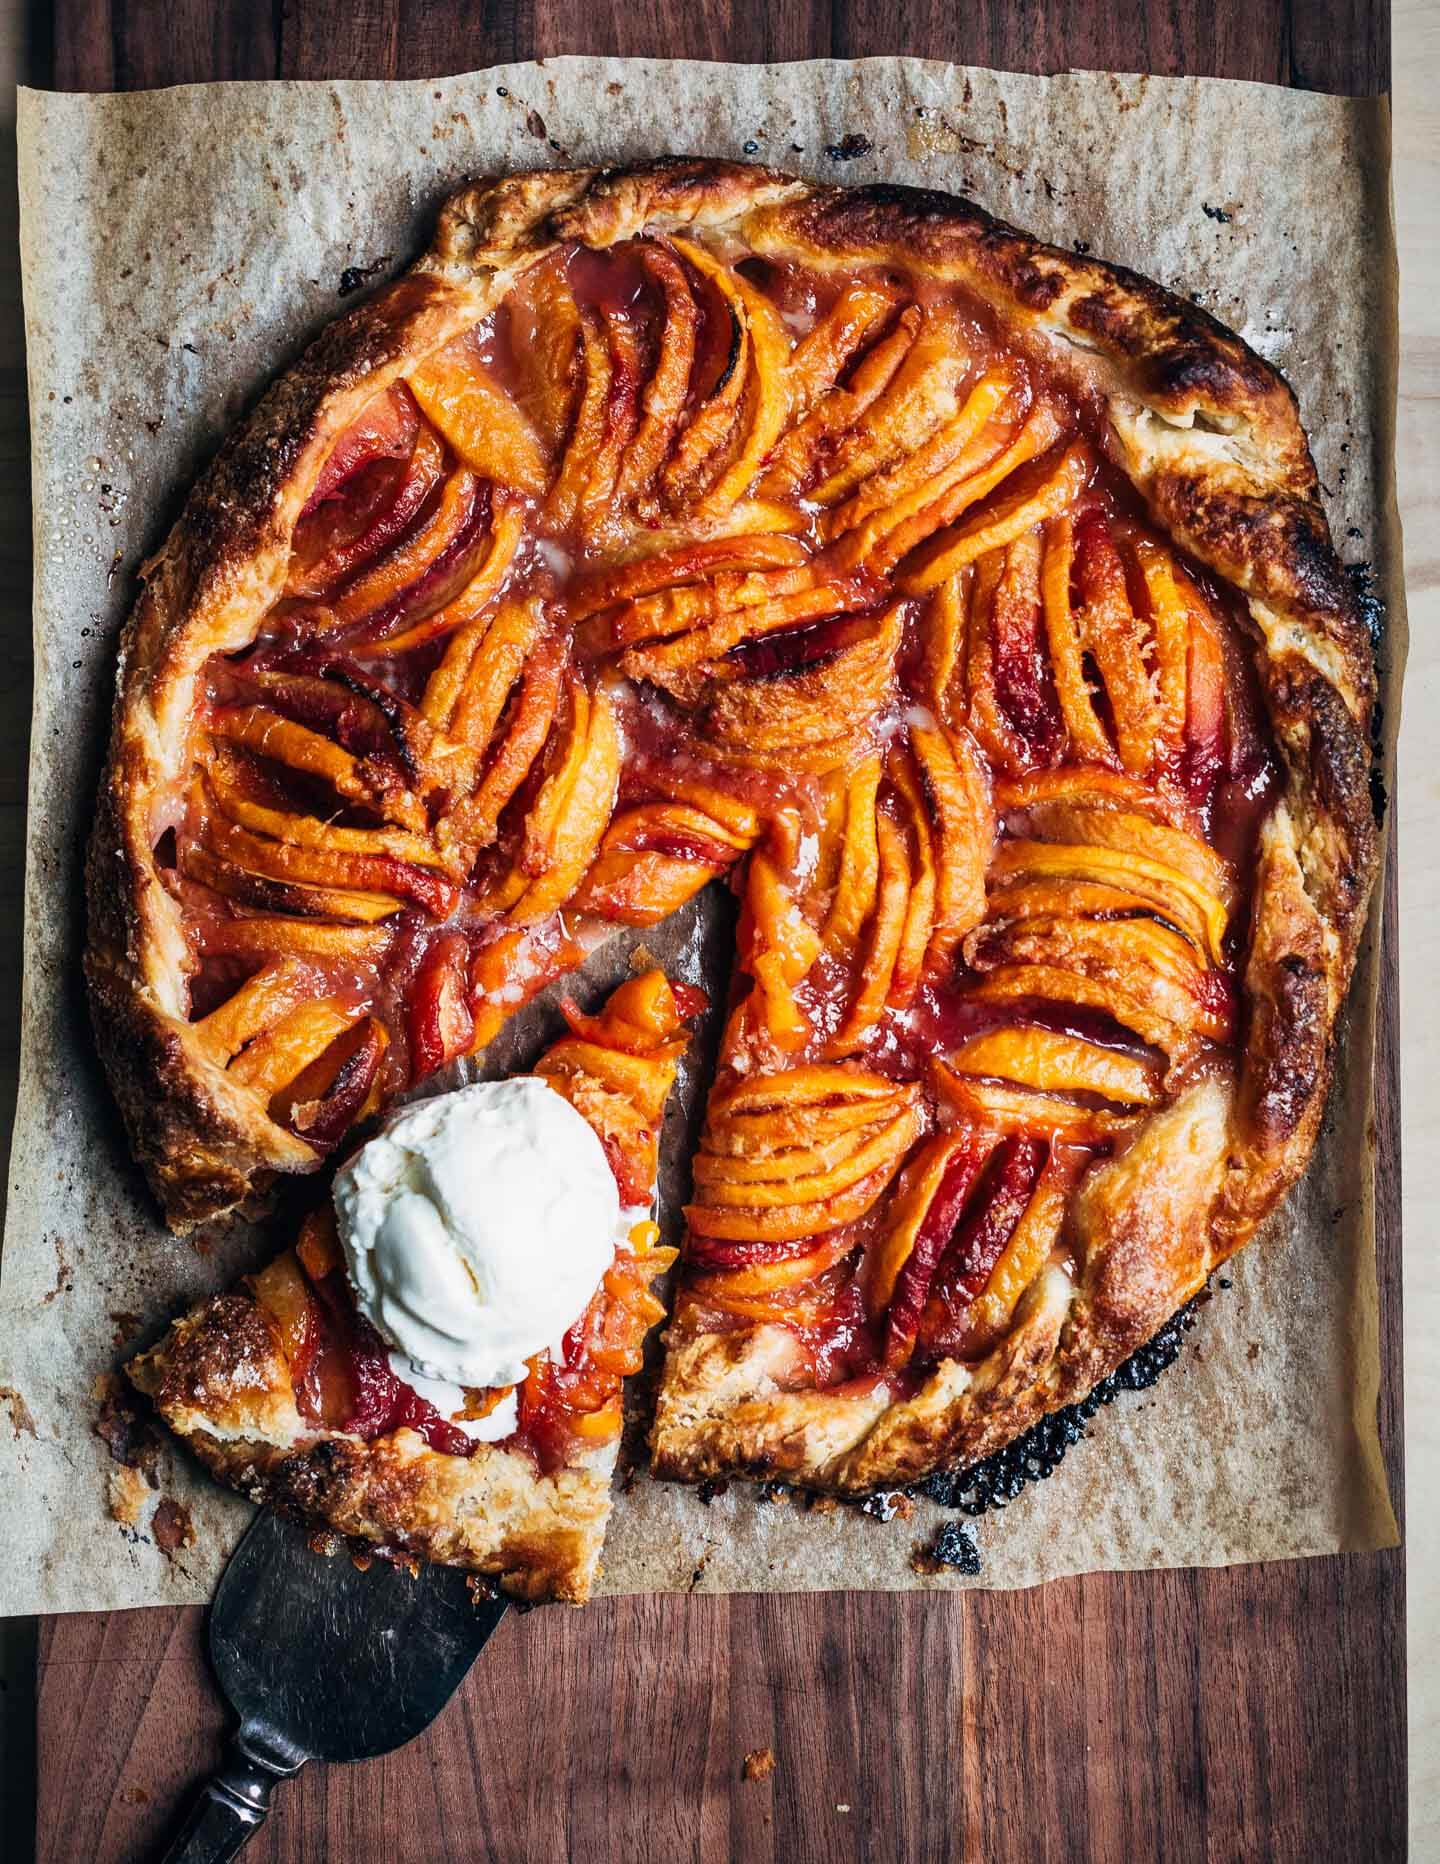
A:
(1207, 432)
(219, 1380)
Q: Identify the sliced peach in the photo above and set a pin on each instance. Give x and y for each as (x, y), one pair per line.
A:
(790, 1223)
(652, 617)
(320, 866)
(263, 999)
(318, 1247)
(226, 784)
(480, 420)
(859, 861)
(1014, 1110)
(385, 428)
(1141, 957)
(284, 897)
(284, 1293)
(881, 1145)
(1141, 1014)
(1040, 491)
(767, 353)
(639, 1014)
(821, 355)
(639, 887)
(813, 1085)
(506, 531)
(887, 516)
(802, 1304)
(995, 589)
(978, 1244)
(757, 1136)
(818, 708)
(1109, 788)
(815, 1203)
(391, 520)
(564, 828)
(507, 972)
(598, 504)
(1192, 909)
(716, 825)
(955, 795)
(473, 822)
(887, 927)
(688, 562)
(663, 401)
(339, 1089)
(1207, 730)
(271, 735)
(278, 1054)
(1057, 1064)
(944, 638)
(688, 609)
(416, 563)
(441, 1023)
(947, 1213)
(276, 896)
(1169, 604)
(980, 470)
(769, 1278)
(544, 337)
(498, 655)
(1066, 650)
(587, 435)
(642, 1079)
(710, 434)
(798, 456)
(1031, 1245)
(1116, 638)
(919, 923)
(1211, 877)
(267, 934)
(781, 1162)
(778, 947)
(910, 408)
(956, 1156)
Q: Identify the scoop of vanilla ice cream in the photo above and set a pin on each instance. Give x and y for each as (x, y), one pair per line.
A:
(476, 1228)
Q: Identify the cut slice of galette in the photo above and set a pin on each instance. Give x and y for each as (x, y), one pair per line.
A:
(437, 1366)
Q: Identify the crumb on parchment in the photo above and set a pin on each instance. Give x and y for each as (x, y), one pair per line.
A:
(172, 1526)
(126, 1495)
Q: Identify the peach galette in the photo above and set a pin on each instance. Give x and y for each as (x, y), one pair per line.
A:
(967, 605)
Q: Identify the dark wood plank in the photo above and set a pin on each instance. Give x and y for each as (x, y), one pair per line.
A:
(108, 45)
(1243, 1713)
(1336, 45)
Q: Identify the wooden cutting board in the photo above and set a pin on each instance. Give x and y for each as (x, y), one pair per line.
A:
(1235, 1714)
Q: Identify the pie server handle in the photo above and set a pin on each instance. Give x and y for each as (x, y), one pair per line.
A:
(233, 1803)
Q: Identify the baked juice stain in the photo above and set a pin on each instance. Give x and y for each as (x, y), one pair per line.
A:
(354, 276)
(1039, 1452)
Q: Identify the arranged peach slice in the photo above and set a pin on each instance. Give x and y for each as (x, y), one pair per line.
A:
(1054, 1063)
(1041, 489)
(480, 421)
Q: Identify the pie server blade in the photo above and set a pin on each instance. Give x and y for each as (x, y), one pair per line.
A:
(322, 1662)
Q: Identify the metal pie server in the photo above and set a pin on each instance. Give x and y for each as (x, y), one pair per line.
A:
(322, 1662)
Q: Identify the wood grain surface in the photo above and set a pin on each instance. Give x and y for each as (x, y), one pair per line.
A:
(1236, 1714)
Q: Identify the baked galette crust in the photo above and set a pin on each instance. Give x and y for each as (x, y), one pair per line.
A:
(1208, 436)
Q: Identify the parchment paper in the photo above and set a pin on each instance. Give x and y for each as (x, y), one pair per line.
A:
(179, 248)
